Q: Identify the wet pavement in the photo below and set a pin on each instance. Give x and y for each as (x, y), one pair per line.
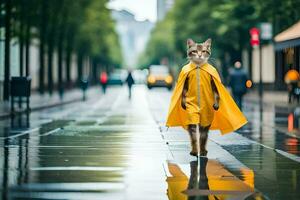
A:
(261, 154)
(270, 128)
(110, 147)
(39, 102)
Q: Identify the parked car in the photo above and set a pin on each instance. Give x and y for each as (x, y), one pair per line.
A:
(117, 77)
(159, 76)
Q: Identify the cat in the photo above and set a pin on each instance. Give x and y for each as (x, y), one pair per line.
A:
(198, 53)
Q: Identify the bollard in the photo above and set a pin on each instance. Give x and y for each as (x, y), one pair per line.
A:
(84, 85)
(20, 87)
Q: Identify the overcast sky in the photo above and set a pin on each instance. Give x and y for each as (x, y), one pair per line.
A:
(142, 9)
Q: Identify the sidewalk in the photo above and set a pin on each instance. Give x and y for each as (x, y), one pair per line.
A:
(108, 149)
(237, 167)
(274, 98)
(38, 101)
(278, 124)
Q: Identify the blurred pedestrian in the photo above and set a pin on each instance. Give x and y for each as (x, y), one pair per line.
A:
(130, 82)
(237, 82)
(103, 80)
(292, 78)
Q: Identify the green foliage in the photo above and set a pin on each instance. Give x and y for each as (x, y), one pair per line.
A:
(97, 34)
(85, 24)
(227, 22)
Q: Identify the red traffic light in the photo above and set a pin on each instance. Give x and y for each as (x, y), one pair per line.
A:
(254, 33)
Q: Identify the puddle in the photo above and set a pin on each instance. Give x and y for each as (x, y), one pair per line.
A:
(210, 180)
(65, 187)
(115, 120)
(94, 131)
(276, 176)
(53, 125)
(86, 123)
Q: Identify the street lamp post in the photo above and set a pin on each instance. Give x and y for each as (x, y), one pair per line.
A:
(255, 42)
(7, 49)
(264, 34)
(260, 89)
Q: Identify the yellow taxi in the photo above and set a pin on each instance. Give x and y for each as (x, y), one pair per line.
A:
(159, 76)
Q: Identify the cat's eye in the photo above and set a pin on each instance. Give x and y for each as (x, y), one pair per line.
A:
(205, 51)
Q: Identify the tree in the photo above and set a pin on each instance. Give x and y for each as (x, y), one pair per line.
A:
(8, 10)
(82, 27)
(227, 22)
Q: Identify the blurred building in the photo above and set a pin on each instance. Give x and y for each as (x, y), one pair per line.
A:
(268, 63)
(277, 58)
(133, 35)
(14, 59)
(2, 37)
(34, 70)
(287, 49)
(163, 6)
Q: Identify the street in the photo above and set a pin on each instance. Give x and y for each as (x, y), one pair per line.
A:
(110, 147)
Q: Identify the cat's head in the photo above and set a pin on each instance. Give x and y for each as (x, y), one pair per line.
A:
(198, 53)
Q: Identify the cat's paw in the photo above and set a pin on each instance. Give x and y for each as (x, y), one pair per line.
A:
(216, 106)
(203, 153)
(194, 153)
(183, 105)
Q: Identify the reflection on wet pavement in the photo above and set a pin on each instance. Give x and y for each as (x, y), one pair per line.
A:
(276, 176)
(227, 177)
(271, 128)
(113, 148)
(104, 150)
(259, 161)
(207, 179)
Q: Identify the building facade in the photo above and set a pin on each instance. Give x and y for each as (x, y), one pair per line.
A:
(287, 51)
(34, 63)
(163, 6)
(133, 35)
(278, 57)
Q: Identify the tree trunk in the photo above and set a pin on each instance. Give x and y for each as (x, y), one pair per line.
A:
(79, 66)
(51, 43)
(69, 59)
(61, 38)
(42, 47)
(7, 50)
(42, 66)
(94, 71)
(27, 43)
(60, 61)
(50, 64)
(21, 37)
(68, 67)
(27, 50)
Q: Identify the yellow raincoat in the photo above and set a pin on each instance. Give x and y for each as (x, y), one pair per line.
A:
(227, 118)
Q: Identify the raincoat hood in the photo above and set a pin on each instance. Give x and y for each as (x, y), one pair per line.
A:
(227, 118)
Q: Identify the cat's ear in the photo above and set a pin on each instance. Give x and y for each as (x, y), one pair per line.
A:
(208, 42)
(190, 42)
